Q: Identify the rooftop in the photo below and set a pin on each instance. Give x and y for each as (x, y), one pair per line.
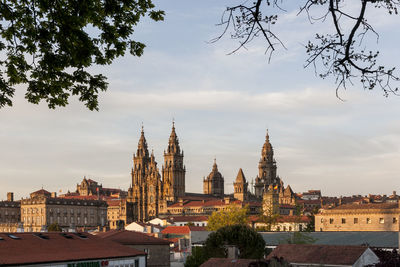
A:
(224, 262)
(366, 206)
(318, 254)
(35, 248)
(182, 229)
(125, 237)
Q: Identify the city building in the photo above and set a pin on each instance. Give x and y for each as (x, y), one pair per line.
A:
(43, 209)
(120, 212)
(324, 255)
(156, 249)
(359, 217)
(65, 249)
(156, 196)
(148, 192)
(10, 214)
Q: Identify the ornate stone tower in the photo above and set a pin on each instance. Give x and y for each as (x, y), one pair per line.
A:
(213, 184)
(173, 170)
(240, 186)
(266, 168)
(154, 189)
(138, 192)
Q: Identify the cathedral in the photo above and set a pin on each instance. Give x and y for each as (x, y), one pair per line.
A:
(154, 195)
(150, 192)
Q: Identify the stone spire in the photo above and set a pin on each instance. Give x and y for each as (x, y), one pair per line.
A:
(215, 166)
(240, 186)
(267, 151)
(142, 150)
(240, 177)
(173, 143)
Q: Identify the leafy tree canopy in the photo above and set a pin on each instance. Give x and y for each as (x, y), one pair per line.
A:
(54, 227)
(231, 216)
(342, 53)
(250, 244)
(50, 44)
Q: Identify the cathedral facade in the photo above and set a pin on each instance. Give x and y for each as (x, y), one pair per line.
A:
(150, 193)
(153, 195)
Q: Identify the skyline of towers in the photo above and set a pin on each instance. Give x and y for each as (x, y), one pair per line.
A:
(152, 191)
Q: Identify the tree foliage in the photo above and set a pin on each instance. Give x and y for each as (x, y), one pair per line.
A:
(54, 227)
(231, 216)
(341, 54)
(250, 244)
(50, 44)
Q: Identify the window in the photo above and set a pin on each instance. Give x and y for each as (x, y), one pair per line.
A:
(355, 220)
(322, 220)
(343, 220)
(381, 220)
(331, 220)
(369, 221)
(136, 263)
(394, 220)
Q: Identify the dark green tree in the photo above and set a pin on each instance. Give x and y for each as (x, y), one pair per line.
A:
(197, 257)
(54, 227)
(311, 225)
(251, 245)
(50, 44)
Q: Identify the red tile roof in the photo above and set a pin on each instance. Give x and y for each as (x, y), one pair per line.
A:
(182, 229)
(125, 237)
(318, 254)
(284, 218)
(188, 218)
(41, 191)
(31, 249)
(223, 262)
(92, 197)
(208, 203)
(293, 218)
(367, 206)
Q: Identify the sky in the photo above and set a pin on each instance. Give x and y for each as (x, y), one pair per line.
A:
(222, 106)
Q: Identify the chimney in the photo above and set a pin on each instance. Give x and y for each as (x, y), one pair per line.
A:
(233, 252)
(10, 196)
(53, 194)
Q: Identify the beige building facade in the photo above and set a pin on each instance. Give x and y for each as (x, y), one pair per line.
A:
(359, 217)
(40, 211)
(119, 213)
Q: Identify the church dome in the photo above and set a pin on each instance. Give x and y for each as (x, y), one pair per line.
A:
(214, 174)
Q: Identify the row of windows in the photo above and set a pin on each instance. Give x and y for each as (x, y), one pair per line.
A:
(41, 221)
(356, 220)
(58, 210)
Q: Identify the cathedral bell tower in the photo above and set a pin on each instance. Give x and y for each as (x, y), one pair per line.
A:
(266, 168)
(138, 192)
(173, 170)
